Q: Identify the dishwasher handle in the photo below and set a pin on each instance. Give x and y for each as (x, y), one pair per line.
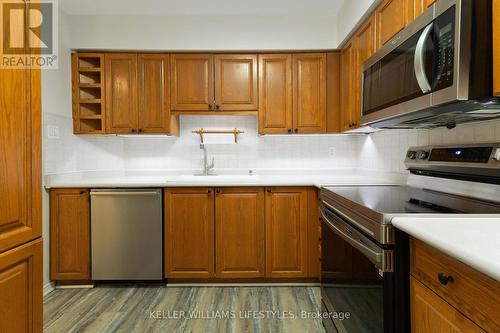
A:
(125, 193)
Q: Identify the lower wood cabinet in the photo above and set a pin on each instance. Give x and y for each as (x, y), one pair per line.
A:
(69, 234)
(449, 296)
(239, 232)
(430, 313)
(21, 288)
(189, 233)
(286, 232)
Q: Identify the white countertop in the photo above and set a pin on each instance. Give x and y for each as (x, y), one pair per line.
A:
(185, 178)
(473, 240)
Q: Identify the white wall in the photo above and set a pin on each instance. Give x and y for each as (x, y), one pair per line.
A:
(202, 33)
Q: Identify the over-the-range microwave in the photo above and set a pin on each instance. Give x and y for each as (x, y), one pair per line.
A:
(438, 71)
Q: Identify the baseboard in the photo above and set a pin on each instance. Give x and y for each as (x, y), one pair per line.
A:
(262, 284)
(48, 288)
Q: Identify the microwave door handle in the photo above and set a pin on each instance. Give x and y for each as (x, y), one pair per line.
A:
(419, 62)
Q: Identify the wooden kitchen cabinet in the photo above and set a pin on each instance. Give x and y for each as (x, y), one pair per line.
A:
(421, 6)
(192, 79)
(430, 313)
(189, 233)
(348, 92)
(138, 94)
(20, 157)
(239, 233)
(496, 48)
(446, 293)
(21, 288)
(154, 94)
(236, 82)
(309, 92)
(69, 234)
(391, 17)
(121, 93)
(275, 94)
(286, 232)
(333, 83)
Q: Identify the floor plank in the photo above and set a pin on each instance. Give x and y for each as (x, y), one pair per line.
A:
(199, 309)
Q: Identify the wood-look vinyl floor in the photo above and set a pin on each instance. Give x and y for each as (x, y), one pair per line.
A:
(151, 309)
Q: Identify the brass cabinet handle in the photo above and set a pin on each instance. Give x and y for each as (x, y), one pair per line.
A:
(210, 106)
(133, 130)
(289, 130)
(269, 190)
(217, 106)
(296, 130)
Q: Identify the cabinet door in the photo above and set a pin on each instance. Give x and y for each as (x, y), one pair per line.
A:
(189, 233)
(275, 93)
(235, 82)
(286, 232)
(21, 288)
(239, 232)
(309, 93)
(422, 5)
(121, 93)
(364, 41)
(192, 82)
(348, 95)
(430, 313)
(69, 234)
(20, 156)
(154, 93)
(391, 17)
(496, 48)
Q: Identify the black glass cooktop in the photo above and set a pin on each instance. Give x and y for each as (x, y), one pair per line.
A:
(407, 199)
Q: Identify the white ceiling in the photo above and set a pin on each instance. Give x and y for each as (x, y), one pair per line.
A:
(203, 7)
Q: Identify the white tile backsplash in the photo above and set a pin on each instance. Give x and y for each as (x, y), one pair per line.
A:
(379, 151)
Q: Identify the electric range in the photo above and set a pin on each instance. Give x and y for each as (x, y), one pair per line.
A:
(365, 261)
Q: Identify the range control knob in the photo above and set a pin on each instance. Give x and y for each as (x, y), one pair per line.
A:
(422, 155)
(411, 154)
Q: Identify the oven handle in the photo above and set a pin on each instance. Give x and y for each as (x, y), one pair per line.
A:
(419, 62)
(373, 256)
(350, 220)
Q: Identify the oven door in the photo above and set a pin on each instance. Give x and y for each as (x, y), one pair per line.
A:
(414, 71)
(356, 288)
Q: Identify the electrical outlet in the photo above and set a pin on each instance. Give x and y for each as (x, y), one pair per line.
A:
(52, 132)
(331, 152)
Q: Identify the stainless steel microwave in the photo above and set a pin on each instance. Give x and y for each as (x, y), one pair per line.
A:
(438, 71)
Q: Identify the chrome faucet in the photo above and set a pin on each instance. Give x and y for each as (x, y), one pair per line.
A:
(206, 167)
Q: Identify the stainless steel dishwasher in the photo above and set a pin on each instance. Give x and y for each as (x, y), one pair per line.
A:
(126, 234)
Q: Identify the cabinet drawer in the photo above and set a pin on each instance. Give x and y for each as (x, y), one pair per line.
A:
(474, 294)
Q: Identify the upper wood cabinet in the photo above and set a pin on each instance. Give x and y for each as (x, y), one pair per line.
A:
(333, 110)
(348, 92)
(239, 232)
(138, 94)
(309, 92)
(421, 6)
(121, 93)
(391, 17)
(275, 94)
(236, 82)
(189, 233)
(496, 48)
(286, 232)
(192, 82)
(20, 157)
(21, 288)
(154, 93)
(206, 82)
(69, 234)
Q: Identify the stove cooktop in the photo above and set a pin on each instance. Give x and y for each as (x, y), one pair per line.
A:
(389, 200)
